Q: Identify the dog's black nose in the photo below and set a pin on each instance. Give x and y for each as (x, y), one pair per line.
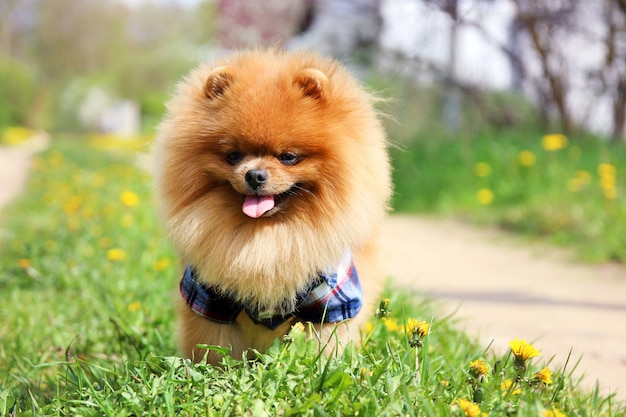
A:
(256, 178)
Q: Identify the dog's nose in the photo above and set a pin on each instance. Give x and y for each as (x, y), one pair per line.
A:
(256, 178)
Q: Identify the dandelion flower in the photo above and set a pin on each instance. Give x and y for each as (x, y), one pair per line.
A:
(161, 264)
(523, 350)
(607, 182)
(484, 196)
(116, 255)
(73, 204)
(545, 376)
(526, 158)
(469, 408)
(391, 324)
(610, 193)
(605, 169)
(24, 263)
(554, 142)
(506, 386)
(383, 308)
(553, 413)
(479, 368)
(129, 198)
(482, 169)
(365, 373)
(368, 327)
(297, 328)
(416, 327)
(134, 306)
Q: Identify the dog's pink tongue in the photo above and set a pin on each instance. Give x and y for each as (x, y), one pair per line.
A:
(255, 206)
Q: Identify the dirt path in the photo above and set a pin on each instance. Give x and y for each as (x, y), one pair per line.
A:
(503, 289)
(15, 163)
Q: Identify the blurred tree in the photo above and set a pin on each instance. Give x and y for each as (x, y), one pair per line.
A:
(612, 75)
(134, 50)
(248, 24)
(541, 21)
(544, 46)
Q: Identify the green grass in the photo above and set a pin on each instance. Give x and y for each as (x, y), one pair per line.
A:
(88, 281)
(561, 197)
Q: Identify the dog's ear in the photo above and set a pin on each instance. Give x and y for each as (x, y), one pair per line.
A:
(312, 82)
(218, 81)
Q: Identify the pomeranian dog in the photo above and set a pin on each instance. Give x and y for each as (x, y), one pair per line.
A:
(272, 177)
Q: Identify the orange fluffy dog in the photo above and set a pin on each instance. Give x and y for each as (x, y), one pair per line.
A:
(273, 178)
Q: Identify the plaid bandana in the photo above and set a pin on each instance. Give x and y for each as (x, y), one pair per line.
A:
(333, 296)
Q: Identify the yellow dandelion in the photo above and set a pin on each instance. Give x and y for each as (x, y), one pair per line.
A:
(391, 324)
(365, 373)
(383, 308)
(610, 193)
(607, 182)
(297, 328)
(134, 306)
(545, 376)
(606, 169)
(444, 383)
(129, 199)
(16, 135)
(368, 327)
(482, 169)
(484, 196)
(161, 264)
(553, 413)
(416, 327)
(523, 350)
(469, 408)
(116, 255)
(526, 158)
(506, 386)
(479, 367)
(24, 263)
(554, 142)
(73, 204)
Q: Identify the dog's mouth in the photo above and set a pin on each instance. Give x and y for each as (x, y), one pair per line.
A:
(255, 205)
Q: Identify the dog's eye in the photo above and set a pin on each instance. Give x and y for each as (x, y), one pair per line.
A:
(288, 158)
(234, 158)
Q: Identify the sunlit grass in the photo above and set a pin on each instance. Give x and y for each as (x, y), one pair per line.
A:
(571, 192)
(88, 282)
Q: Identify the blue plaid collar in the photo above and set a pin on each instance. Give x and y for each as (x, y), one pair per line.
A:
(331, 297)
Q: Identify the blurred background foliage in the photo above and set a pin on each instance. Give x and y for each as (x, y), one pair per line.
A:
(494, 56)
(472, 83)
(53, 52)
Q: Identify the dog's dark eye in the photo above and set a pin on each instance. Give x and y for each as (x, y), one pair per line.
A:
(234, 158)
(288, 158)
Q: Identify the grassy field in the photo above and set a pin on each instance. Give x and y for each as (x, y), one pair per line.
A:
(87, 282)
(567, 190)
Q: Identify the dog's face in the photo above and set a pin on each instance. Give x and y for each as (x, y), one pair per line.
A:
(270, 146)
(266, 182)
(268, 169)
(269, 157)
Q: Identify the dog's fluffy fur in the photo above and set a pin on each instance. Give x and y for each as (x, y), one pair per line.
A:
(302, 121)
